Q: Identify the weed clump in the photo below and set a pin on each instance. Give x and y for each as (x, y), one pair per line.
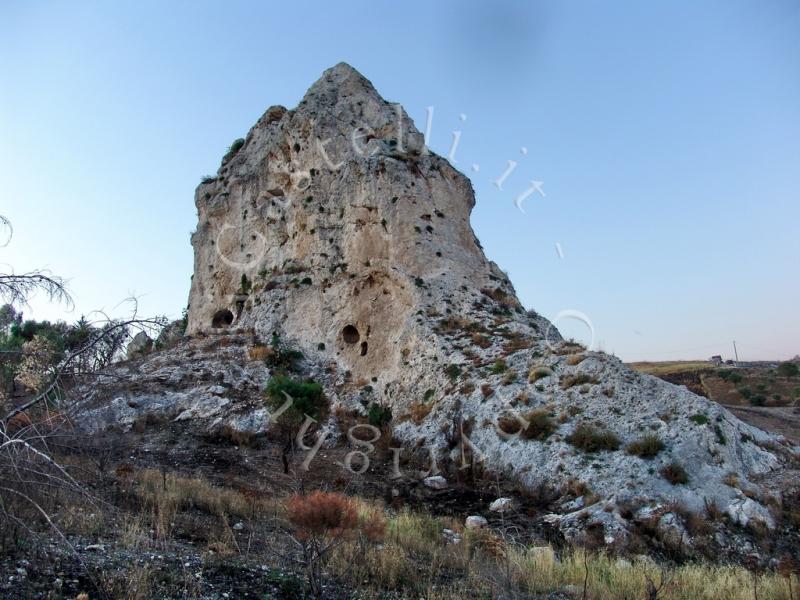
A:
(675, 473)
(589, 438)
(577, 379)
(646, 447)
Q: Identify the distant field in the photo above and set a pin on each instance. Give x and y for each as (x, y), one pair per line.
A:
(665, 368)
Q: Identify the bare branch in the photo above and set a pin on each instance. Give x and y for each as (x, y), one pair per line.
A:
(6, 229)
(17, 289)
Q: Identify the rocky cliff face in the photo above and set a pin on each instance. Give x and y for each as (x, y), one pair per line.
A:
(335, 229)
(333, 225)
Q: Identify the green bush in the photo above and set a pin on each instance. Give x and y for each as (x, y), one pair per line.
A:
(646, 447)
(379, 415)
(307, 398)
(452, 371)
(675, 473)
(234, 148)
(699, 419)
(758, 400)
(499, 366)
(589, 438)
(721, 439)
(788, 369)
(283, 359)
(245, 285)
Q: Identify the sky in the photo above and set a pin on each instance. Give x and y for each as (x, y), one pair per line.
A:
(665, 135)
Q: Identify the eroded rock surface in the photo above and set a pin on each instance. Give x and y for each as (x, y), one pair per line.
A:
(334, 228)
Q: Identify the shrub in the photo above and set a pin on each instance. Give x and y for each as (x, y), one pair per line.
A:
(428, 395)
(577, 379)
(589, 438)
(379, 415)
(746, 392)
(234, 148)
(646, 447)
(307, 396)
(452, 371)
(509, 378)
(282, 358)
(674, 473)
(245, 285)
(486, 390)
(321, 520)
(499, 366)
(699, 419)
(208, 179)
(758, 400)
(788, 369)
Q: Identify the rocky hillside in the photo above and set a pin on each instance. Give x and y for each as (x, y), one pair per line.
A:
(330, 235)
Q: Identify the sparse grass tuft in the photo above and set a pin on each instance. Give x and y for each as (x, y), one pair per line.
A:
(538, 372)
(675, 473)
(589, 438)
(645, 447)
(577, 379)
(540, 425)
(498, 367)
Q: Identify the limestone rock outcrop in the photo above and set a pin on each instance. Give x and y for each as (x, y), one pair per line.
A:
(334, 228)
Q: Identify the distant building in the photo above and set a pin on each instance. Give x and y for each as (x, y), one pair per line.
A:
(716, 359)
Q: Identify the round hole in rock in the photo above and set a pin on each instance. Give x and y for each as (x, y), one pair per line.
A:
(363, 348)
(222, 318)
(350, 334)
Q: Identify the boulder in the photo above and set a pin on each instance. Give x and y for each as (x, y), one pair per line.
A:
(140, 344)
(501, 505)
(436, 482)
(475, 522)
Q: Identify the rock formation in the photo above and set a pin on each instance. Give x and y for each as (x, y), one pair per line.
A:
(334, 228)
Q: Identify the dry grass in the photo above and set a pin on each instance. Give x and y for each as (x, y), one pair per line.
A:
(419, 411)
(260, 353)
(163, 495)
(577, 379)
(589, 438)
(666, 368)
(538, 372)
(575, 359)
(416, 561)
(645, 447)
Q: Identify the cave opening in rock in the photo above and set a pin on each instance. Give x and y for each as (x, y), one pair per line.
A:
(222, 318)
(363, 348)
(350, 334)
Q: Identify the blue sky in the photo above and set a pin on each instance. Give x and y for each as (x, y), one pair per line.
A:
(666, 135)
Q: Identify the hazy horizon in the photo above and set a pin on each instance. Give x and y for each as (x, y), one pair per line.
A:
(667, 141)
